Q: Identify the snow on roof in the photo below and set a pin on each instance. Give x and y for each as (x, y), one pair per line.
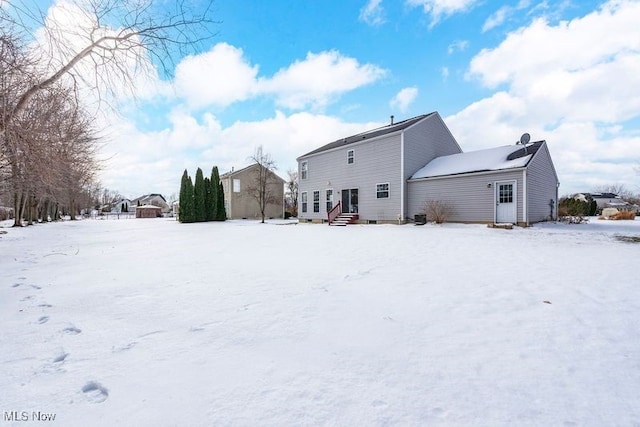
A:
(492, 159)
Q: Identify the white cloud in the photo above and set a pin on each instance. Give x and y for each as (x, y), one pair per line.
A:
(218, 77)
(223, 76)
(458, 45)
(439, 9)
(372, 13)
(444, 72)
(318, 79)
(496, 19)
(157, 159)
(572, 95)
(404, 99)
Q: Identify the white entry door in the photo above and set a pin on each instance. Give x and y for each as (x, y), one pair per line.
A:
(506, 211)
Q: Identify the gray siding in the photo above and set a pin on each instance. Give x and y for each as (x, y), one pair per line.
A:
(423, 142)
(376, 161)
(426, 140)
(468, 195)
(542, 186)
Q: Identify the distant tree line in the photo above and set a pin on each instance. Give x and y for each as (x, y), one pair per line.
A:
(48, 142)
(203, 200)
(571, 207)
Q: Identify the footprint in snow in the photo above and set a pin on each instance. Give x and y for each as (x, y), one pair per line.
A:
(60, 358)
(95, 392)
(72, 330)
(43, 319)
(45, 305)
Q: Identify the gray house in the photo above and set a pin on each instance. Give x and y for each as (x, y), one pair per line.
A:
(390, 173)
(514, 184)
(366, 175)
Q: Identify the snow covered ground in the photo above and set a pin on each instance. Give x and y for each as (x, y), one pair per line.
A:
(156, 323)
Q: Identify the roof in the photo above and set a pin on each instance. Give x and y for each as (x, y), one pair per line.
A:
(148, 197)
(492, 159)
(236, 172)
(384, 130)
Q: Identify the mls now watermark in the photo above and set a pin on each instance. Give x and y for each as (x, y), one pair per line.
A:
(28, 416)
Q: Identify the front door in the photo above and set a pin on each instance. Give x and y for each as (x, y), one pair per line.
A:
(350, 200)
(506, 202)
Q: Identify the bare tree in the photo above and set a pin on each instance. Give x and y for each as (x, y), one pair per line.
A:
(99, 55)
(617, 189)
(292, 192)
(109, 197)
(262, 189)
(47, 143)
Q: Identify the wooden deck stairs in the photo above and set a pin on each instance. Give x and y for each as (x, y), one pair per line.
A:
(336, 217)
(344, 219)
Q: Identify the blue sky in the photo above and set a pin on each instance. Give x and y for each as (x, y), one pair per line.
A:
(294, 75)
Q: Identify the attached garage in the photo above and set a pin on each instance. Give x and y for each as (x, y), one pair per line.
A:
(514, 184)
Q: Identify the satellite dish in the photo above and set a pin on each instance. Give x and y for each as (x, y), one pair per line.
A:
(525, 138)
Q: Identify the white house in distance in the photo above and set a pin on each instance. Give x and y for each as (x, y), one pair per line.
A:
(388, 174)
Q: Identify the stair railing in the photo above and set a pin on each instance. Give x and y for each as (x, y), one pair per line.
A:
(334, 212)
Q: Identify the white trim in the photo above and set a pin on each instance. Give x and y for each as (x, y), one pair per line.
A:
(314, 201)
(456, 175)
(403, 181)
(388, 190)
(495, 197)
(325, 198)
(525, 218)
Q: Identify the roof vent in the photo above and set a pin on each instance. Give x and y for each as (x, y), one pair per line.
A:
(392, 119)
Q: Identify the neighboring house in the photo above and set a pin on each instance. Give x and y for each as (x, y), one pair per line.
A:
(606, 200)
(153, 199)
(514, 184)
(122, 206)
(388, 174)
(239, 201)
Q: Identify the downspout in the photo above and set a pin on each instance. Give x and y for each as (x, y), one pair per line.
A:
(402, 180)
(525, 216)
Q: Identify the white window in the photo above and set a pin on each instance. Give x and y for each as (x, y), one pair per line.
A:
(351, 157)
(316, 201)
(329, 199)
(304, 201)
(236, 185)
(382, 191)
(304, 168)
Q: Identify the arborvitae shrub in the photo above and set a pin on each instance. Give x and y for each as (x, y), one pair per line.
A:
(198, 197)
(186, 206)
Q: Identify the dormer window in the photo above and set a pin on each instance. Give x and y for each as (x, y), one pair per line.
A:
(351, 157)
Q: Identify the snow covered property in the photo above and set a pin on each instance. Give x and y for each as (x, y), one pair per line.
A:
(389, 174)
(156, 323)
